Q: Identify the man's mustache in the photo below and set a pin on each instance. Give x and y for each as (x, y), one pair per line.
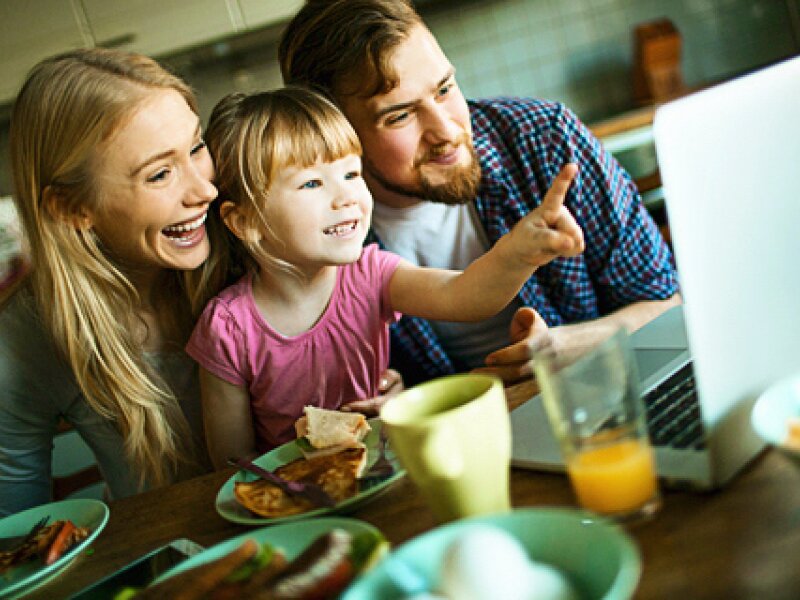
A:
(441, 149)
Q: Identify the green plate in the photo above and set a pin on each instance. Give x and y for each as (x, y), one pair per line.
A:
(292, 538)
(84, 513)
(229, 508)
(596, 555)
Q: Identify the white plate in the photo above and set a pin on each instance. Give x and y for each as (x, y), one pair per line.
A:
(229, 508)
(773, 409)
(84, 513)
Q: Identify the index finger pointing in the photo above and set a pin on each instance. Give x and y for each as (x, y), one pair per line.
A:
(554, 198)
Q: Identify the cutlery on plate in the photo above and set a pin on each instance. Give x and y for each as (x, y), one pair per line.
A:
(310, 491)
(382, 467)
(17, 541)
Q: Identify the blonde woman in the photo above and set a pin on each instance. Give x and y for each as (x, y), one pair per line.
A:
(113, 185)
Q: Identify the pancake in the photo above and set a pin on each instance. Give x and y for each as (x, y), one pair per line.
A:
(337, 474)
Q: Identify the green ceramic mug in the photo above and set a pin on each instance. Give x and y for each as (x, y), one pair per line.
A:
(453, 437)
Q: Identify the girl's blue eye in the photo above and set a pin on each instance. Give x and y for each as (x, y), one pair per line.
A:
(352, 175)
(198, 147)
(311, 184)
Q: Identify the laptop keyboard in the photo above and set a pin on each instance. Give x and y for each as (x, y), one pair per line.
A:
(673, 412)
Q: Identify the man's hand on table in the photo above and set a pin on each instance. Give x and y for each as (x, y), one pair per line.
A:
(529, 334)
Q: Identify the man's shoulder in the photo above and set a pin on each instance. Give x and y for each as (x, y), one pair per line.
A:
(511, 112)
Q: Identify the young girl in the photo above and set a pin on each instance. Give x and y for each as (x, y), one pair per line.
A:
(308, 324)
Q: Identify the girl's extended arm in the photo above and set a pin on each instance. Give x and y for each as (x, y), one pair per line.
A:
(492, 281)
(227, 420)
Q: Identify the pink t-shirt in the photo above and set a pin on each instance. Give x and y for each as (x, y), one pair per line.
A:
(338, 360)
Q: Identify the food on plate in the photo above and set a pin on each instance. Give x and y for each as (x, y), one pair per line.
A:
(49, 544)
(792, 440)
(253, 570)
(486, 562)
(336, 474)
(323, 431)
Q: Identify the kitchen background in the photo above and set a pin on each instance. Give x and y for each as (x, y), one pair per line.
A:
(580, 52)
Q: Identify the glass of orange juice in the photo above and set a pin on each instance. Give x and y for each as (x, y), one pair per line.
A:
(593, 401)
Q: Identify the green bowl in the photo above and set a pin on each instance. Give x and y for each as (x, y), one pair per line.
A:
(772, 411)
(598, 558)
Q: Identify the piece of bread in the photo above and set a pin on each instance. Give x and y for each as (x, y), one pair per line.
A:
(330, 431)
(337, 474)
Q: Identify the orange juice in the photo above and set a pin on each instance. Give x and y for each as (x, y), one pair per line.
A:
(618, 478)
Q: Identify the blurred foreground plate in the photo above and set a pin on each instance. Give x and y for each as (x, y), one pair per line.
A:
(229, 508)
(594, 554)
(84, 513)
(292, 538)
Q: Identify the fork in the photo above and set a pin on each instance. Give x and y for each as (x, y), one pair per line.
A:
(312, 492)
(17, 541)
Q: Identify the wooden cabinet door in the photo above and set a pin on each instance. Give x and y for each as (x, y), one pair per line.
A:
(156, 27)
(31, 30)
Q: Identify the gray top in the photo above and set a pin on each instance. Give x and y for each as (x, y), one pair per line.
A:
(37, 388)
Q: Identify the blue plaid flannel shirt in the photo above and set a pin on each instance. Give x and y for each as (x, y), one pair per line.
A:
(522, 144)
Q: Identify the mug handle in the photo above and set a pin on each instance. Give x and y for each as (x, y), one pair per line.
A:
(441, 454)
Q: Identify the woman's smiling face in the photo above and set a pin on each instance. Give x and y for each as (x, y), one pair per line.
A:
(154, 187)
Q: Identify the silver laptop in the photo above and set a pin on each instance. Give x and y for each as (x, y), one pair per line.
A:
(730, 165)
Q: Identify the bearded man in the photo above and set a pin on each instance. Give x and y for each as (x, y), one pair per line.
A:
(451, 176)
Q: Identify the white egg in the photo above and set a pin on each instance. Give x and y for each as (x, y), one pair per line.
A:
(487, 563)
(548, 583)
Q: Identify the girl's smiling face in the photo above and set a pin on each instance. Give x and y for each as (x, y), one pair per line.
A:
(321, 214)
(154, 185)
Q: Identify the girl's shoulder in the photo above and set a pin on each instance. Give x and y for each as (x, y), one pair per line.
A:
(233, 296)
(374, 262)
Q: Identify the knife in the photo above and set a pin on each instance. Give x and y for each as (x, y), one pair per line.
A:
(310, 491)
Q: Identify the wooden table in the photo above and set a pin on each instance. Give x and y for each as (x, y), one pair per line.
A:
(740, 542)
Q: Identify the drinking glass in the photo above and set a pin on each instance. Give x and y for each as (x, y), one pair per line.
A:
(593, 401)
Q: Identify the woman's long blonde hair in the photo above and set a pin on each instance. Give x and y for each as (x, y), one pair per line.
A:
(252, 137)
(69, 105)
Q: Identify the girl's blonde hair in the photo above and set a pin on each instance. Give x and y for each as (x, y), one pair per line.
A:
(252, 137)
(69, 105)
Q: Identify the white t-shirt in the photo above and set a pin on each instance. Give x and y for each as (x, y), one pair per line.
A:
(445, 236)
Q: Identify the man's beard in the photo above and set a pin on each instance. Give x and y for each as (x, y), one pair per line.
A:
(461, 186)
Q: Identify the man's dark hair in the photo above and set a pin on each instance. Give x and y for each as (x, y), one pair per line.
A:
(343, 47)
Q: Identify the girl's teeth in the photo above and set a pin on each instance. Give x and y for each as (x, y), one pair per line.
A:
(341, 229)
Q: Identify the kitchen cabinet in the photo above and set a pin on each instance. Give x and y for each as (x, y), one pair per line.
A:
(30, 31)
(156, 27)
(258, 13)
(34, 29)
